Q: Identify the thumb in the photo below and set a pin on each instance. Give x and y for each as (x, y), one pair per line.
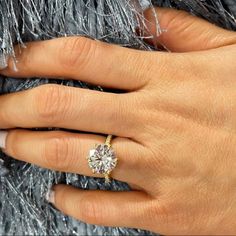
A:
(182, 32)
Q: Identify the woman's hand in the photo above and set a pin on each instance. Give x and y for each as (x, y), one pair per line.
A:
(175, 125)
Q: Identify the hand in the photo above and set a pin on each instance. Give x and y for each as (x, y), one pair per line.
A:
(175, 125)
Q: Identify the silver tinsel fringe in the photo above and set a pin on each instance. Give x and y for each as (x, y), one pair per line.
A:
(23, 208)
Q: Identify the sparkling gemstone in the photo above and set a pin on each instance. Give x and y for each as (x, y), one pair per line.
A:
(102, 159)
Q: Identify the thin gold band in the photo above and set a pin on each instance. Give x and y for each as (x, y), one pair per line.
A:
(108, 143)
(108, 140)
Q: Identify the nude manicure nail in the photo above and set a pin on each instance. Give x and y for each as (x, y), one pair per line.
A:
(3, 137)
(3, 61)
(50, 196)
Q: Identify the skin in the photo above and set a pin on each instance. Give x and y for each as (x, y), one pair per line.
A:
(174, 122)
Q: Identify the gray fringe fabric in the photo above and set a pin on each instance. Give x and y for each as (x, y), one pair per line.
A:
(23, 208)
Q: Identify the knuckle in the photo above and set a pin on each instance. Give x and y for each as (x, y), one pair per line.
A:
(142, 69)
(170, 213)
(76, 52)
(123, 115)
(90, 211)
(190, 69)
(162, 63)
(120, 111)
(138, 162)
(159, 211)
(57, 154)
(179, 20)
(51, 102)
(157, 159)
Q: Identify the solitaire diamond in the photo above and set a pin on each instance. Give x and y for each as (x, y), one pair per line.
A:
(102, 159)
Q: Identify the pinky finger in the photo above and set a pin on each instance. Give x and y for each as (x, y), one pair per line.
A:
(99, 207)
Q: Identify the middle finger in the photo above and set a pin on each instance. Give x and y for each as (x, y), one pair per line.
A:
(69, 108)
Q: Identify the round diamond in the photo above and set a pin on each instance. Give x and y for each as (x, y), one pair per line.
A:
(102, 159)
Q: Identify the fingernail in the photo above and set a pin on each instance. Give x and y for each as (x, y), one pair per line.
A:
(3, 170)
(50, 196)
(3, 61)
(3, 137)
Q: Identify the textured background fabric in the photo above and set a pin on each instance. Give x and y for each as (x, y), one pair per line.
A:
(23, 209)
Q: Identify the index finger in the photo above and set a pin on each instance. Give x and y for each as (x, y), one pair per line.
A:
(82, 59)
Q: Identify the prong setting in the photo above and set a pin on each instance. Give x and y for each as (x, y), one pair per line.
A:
(102, 159)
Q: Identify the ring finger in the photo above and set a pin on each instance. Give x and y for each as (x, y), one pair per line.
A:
(67, 152)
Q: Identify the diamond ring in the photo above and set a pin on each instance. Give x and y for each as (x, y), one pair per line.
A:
(102, 159)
